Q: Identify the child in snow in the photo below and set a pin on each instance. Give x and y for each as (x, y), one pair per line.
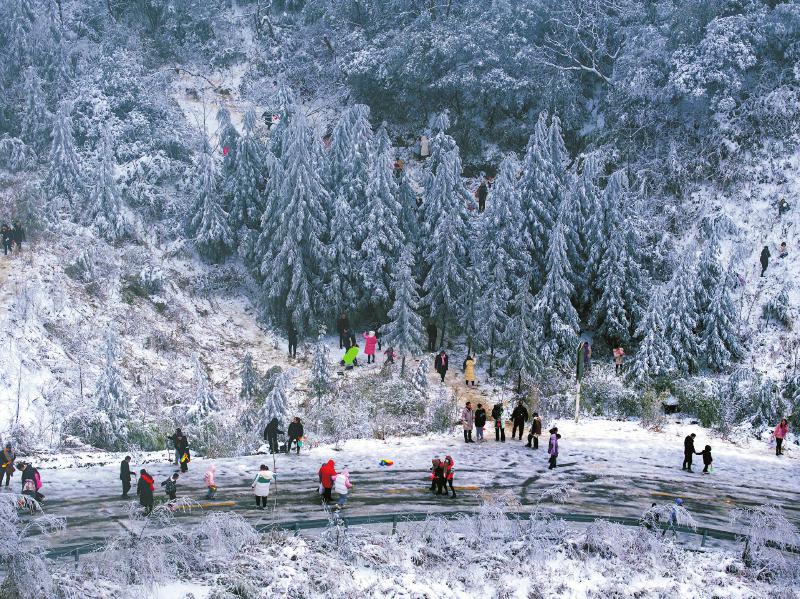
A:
(370, 341)
(185, 459)
(706, 453)
(171, 486)
(552, 447)
(437, 476)
(619, 358)
(779, 434)
(390, 355)
(449, 470)
(349, 359)
(261, 484)
(209, 480)
(342, 485)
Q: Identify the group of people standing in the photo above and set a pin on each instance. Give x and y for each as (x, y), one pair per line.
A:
(330, 481)
(12, 236)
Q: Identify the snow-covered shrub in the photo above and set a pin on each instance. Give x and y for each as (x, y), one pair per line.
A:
(767, 532)
(777, 309)
(441, 411)
(82, 268)
(93, 427)
(652, 412)
(148, 436)
(737, 397)
(608, 396)
(698, 398)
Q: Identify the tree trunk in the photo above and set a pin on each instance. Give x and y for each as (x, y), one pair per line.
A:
(491, 356)
(519, 381)
(403, 365)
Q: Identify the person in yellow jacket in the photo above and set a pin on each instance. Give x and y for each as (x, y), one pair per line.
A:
(469, 370)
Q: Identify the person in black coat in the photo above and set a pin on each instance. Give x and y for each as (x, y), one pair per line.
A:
(181, 444)
(433, 332)
(441, 363)
(29, 473)
(480, 422)
(765, 256)
(499, 429)
(144, 489)
(125, 475)
(706, 453)
(343, 328)
(519, 416)
(292, 336)
(295, 433)
(482, 193)
(688, 452)
(271, 433)
(536, 430)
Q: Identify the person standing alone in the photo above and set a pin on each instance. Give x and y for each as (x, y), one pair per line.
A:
(519, 417)
(125, 475)
(765, 256)
(440, 364)
(780, 434)
(688, 452)
(292, 338)
(552, 447)
(535, 432)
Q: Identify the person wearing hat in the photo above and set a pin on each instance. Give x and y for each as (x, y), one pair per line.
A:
(7, 464)
(552, 447)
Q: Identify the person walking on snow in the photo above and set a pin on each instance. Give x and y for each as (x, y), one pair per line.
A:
(260, 486)
(171, 486)
(448, 472)
(441, 363)
(8, 459)
(688, 452)
(271, 432)
(343, 328)
(469, 370)
(433, 333)
(480, 422)
(619, 358)
(145, 489)
(499, 429)
(211, 484)
(370, 341)
(292, 338)
(6, 233)
(125, 475)
(552, 447)
(31, 481)
(706, 453)
(519, 417)
(536, 431)
(326, 474)
(342, 485)
(295, 433)
(765, 256)
(779, 433)
(467, 421)
(482, 193)
(390, 355)
(181, 444)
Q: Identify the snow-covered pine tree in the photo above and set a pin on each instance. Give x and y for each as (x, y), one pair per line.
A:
(522, 332)
(228, 138)
(469, 316)
(681, 316)
(556, 317)
(104, 208)
(283, 105)
(36, 122)
(709, 273)
(321, 380)
(383, 240)
(777, 307)
(770, 405)
(654, 356)
(247, 178)
(492, 308)
(251, 387)
(409, 222)
(204, 403)
(340, 293)
(291, 259)
(112, 399)
(64, 174)
(541, 191)
(208, 222)
(276, 405)
(404, 330)
(19, 41)
(720, 342)
(419, 382)
(349, 160)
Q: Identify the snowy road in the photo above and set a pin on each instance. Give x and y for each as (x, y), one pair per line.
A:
(612, 468)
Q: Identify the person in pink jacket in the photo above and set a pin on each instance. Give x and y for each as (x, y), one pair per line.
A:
(780, 434)
(370, 341)
(209, 480)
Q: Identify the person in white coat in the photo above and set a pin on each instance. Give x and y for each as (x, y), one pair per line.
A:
(342, 486)
(261, 484)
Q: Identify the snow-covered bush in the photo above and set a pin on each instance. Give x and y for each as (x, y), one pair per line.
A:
(767, 533)
(607, 396)
(652, 411)
(698, 398)
(777, 308)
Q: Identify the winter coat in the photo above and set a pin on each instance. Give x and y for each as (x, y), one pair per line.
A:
(497, 412)
(781, 431)
(341, 482)
(480, 417)
(144, 489)
(432, 331)
(32, 474)
(765, 255)
(208, 477)
(440, 364)
(469, 370)
(17, 234)
(271, 430)
(125, 470)
(326, 474)
(520, 414)
(467, 418)
(350, 355)
(706, 453)
(552, 447)
(295, 430)
(483, 191)
(449, 468)
(261, 483)
(8, 458)
(170, 486)
(537, 425)
(180, 442)
(688, 445)
(292, 336)
(370, 341)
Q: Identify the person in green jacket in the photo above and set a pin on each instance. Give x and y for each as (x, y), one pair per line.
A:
(349, 359)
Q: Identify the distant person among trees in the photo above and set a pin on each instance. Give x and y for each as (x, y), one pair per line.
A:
(587, 355)
(765, 256)
(482, 193)
(441, 364)
(779, 433)
(8, 457)
(7, 239)
(783, 250)
(292, 338)
(519, 416)
(125, 475)
(688, 452)
(433, 333)
(619, 359)
(18, 236)
(424, 146)
(469, 370)
(467, 422)
(370, 342)
(390, 355)
(343, 328)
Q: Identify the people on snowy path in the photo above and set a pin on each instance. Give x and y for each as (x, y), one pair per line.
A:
(447, 475)
(260, 485)
(181, 444)
(552, 447)
(497, 416)
(467, 421)
(125, 475)
(271, 432)
(706, 453)
(171, 486)
(688, 452)
(326, 474)
(437, 476)
(145, 489)
(370, 341)
(480, 422)
(441, 363)
(342, 485)
(433, 333)
(779, 433)
(519, 416)
(211, 484)
(294, 434)
(482, 193)
(343, 328)
(619, 359)
(8, 459)
(349, 359)
(31, 481)
(765, 256)
(469, 370)
(535, 432)
(291, 335)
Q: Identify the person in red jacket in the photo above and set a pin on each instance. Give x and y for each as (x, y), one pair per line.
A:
(144, 489)
(448, 475)
(370, 341)
(780, 434)
(326, 474)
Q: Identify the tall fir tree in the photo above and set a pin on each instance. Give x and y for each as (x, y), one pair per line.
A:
(291, 259)
(250, 390)
(720, 341)
(469, 315)
(204, 403)
(36, 122)
(654, 356)
(64, 174)
(276, 405)
(321, 380)
(407, 196)
(709, 272)
(522, 332)
(493, 307)
(404, 329)
(208, 222)
(104, 208)
(283, 106)
(681, 316)
(349, 161)
(419, 381)
(341, 274)
(247, 178)
(228, 138)
(112, 398)
(383, 239)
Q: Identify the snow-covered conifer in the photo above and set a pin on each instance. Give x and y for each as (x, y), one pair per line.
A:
(681, 316)
(419, 382)
(276, 405)
(36, 122)
(228, 141)
(522, 334)
(654, 356)
(404, 330)
(105, 204)
(204, 402)
(64, 175)
(493, 310)
(770, 405)
(720, 340)
(208, 222)
(321, 381)
(340, 264)
(250, 389)
(247, 177)
(112, 398)
(349, 161)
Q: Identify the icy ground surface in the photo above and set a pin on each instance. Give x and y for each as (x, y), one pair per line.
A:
(612, 468)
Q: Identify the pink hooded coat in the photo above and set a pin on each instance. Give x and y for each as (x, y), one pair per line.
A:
(370, 341)
(209, 477)
(781, 431)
